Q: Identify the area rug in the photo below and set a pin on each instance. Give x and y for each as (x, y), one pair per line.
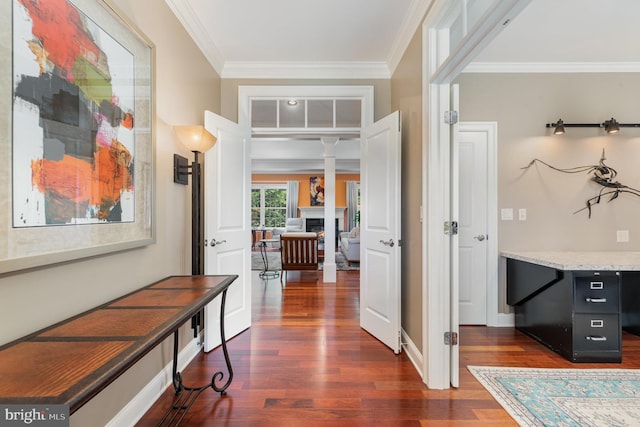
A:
(565, 397)
(274, 262)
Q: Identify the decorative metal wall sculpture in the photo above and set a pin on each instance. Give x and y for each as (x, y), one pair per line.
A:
(602, 175)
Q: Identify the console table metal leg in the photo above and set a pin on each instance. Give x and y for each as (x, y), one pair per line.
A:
(186, 396)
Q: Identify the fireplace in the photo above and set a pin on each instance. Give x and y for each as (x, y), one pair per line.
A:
(316, 225)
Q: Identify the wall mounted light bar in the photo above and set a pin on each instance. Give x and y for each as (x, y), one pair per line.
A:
(610, 126)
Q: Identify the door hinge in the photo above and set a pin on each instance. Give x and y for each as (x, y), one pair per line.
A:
(450, 338)
(451, 228)
(451, 117)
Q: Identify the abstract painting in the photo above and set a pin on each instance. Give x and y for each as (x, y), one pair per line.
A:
(316, 188)
(77, 138)
(73, 111)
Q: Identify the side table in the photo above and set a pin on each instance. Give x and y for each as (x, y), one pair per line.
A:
(266, 273)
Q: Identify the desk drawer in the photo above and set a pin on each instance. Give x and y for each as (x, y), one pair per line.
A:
(597, 294)
(596, 332)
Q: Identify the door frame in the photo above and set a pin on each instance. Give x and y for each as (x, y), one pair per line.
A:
(441, 65)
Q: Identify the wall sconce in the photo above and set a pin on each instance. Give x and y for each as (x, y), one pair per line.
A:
(198, 140)
(610, 126)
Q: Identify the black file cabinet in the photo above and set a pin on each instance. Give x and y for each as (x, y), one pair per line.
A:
(575, 313)
(596, 316)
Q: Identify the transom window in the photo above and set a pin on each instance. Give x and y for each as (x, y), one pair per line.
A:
(306, 113)
(268, 205)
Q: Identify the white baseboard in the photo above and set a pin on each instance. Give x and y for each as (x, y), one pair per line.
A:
(140, 404)
(506, 320)
(414, 354)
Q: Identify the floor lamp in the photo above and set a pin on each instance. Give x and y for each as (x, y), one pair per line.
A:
(198, 140)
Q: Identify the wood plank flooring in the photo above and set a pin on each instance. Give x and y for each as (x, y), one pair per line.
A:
(306, 362)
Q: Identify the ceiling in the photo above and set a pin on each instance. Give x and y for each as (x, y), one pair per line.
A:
(366, 38)
(301, 38)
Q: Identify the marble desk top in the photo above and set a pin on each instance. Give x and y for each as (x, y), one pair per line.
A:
(605, 261)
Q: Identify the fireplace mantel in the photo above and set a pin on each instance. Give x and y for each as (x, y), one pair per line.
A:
(318, 212)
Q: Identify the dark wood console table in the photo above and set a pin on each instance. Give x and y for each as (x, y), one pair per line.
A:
(72, 361)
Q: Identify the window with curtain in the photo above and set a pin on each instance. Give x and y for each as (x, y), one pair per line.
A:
(353, 204)
(268, 205)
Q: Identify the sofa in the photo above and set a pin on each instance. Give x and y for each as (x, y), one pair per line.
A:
(350, 245)
(292, 225)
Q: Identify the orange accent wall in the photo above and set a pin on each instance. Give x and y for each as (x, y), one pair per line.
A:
(304, 197)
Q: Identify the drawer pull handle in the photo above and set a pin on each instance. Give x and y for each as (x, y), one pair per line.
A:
(597, 300)
(597, 285)
(597, 323)
(596, 338)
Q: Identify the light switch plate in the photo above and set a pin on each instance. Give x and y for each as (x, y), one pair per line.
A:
(506, 214)
(522, 214)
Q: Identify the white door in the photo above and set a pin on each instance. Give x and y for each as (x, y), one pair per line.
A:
(454, 326)
(473, 225)
(380, 156)
(227, 226)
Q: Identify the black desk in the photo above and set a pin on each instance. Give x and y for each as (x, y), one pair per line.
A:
(577, 304)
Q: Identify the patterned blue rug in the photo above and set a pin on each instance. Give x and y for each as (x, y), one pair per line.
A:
(565, 397)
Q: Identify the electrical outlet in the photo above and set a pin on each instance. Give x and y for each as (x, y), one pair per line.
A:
(522, 214)
(622, 236)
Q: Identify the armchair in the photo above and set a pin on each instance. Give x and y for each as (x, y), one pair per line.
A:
(298, 251)
(350, 245)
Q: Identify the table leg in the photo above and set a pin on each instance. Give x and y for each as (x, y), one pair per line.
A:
(266, 273)
(186, 396)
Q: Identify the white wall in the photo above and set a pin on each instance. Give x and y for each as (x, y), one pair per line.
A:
(30, 300)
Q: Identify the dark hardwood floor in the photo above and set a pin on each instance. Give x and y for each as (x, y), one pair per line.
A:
(306, 362)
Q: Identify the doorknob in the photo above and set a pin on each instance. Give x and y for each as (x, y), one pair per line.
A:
(390, 243)
(481, 237)
(215, 242)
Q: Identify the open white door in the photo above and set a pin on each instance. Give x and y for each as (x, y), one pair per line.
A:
(380, 157)
(455, 215)
(227, 226)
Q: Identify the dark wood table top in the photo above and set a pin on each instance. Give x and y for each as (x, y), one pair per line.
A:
(70, 362)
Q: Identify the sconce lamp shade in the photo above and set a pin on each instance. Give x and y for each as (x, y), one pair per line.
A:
(195, 138)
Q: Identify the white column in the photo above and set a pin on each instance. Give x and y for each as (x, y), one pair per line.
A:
(329, 266)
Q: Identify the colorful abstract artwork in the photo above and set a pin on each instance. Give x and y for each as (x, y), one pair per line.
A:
(316, 187)
(73, 119)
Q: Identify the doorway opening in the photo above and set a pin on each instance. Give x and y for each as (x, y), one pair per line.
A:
(290, 127)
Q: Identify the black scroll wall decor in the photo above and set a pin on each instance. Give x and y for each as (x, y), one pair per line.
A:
(602, 175)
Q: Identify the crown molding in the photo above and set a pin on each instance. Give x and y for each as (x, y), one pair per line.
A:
(305, 70)
(552, 67)
(193, 27)
(414, 18)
